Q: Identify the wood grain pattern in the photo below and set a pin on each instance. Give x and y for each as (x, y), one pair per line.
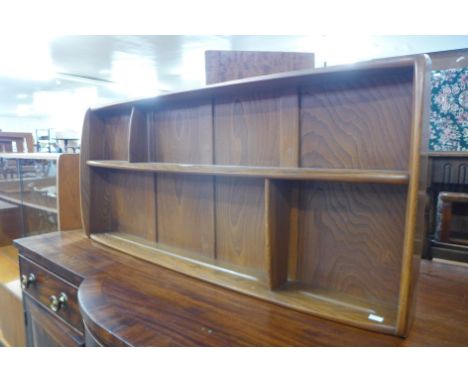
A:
(116, 130)
(351, 239)
(248, 129)
(267, 83)
(324, 304)
(44, 330)
(354, 131)
(100, 207)
(240, 219)
(414, 217)
(48, 284)
(91, 148)
(291, 173)
(186, 213)
(182, 134)
(223, 318)
(68, 192)
(223, 66)
(151, 306)
(124, 204)
(360, 123)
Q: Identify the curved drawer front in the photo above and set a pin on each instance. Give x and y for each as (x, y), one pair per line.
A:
(47, 288)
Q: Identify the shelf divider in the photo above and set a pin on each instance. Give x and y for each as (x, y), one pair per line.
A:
(138, 137)
(277, 231)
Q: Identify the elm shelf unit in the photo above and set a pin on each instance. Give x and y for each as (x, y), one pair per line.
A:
(304, 188)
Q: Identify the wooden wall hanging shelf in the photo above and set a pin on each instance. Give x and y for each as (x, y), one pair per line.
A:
(305, 188)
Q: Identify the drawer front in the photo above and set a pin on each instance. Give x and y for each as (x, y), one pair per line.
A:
(47, 286)
(44, 329)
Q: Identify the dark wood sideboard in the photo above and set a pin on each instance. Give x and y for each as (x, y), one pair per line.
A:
(117, 300)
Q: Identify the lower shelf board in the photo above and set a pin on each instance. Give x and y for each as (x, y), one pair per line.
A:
(325, 304)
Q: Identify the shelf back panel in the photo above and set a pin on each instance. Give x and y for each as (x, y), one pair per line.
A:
(132, 212)
(357, 123)
(186, 213)
(256, 129)
(350, 239)
(240, 224)
(181, 133)
(115, 136)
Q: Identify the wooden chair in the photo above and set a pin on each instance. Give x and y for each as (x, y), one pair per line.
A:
(444, 216)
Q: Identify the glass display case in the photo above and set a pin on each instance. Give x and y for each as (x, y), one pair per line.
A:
(29, 194)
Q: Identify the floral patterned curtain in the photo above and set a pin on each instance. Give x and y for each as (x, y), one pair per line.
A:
(449, 110)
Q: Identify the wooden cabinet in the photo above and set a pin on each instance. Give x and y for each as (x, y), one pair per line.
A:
(43, 328)
(51, 306)
(305, 189)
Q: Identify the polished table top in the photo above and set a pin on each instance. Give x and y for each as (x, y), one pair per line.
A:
(127, 301)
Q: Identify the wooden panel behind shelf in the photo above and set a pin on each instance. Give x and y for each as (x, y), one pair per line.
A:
(257, 130)
(240, 224)
(357, 123)
(351, 239)
(132, 212)
(116, 136)
(182, 133)
(69, 211)
(186, 213)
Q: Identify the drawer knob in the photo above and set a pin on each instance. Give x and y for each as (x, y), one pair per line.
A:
(26, 281)
(58, 303)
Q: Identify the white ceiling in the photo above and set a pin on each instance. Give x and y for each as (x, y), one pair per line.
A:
(58, 77)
